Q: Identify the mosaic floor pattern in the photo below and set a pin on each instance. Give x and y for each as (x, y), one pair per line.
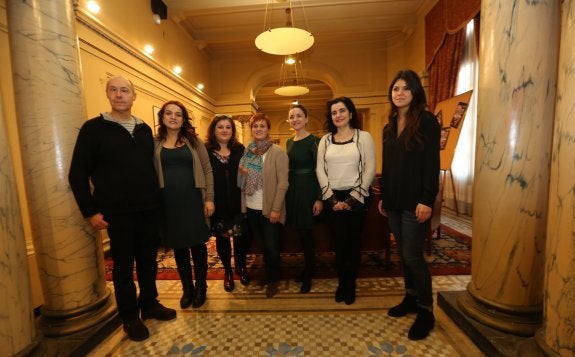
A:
(245, 323)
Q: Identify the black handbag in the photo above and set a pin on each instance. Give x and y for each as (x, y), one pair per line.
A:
(229, 228)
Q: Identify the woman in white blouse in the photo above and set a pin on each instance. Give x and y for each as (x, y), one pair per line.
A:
(345, 170)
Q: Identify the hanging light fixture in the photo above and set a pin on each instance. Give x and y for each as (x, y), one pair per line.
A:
(284, 40)
(292, 83)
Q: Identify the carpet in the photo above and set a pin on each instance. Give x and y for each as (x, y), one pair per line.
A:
(450, 255)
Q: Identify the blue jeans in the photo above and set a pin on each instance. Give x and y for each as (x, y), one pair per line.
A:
(269, 238)
(410, 237)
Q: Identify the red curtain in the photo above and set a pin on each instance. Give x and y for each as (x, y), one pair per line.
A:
(444, 40)
(444, 69)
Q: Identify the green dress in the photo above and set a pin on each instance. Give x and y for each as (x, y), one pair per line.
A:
(303, 188)
(184, 220)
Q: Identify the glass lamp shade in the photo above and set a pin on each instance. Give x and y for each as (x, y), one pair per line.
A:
(291, 91)
(284, 40)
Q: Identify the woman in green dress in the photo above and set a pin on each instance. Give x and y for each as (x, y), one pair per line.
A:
(303, 199)
(186, 181)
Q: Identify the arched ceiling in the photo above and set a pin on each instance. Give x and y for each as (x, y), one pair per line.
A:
(224, 28)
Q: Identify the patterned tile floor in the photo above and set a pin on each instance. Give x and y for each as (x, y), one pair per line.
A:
(245, 323)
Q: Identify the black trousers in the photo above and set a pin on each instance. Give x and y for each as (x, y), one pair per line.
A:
(346, 228)
(134, 237)
(224, 248)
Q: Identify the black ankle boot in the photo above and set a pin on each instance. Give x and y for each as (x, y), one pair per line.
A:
(187, 286)
(200, 296)
(340, 291)
(407, 305)
(424, 322)
(349, 293)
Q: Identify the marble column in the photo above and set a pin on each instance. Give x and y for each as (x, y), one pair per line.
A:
(17, 329)
(558, 332)
(50, 109)
(517, 84)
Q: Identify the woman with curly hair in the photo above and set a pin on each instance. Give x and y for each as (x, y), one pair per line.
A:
(185, 177)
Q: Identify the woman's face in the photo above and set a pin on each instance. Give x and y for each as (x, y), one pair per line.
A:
(260, 130)
(173, 117)
(401, 94)
(340, 115)
(297, 119)
(223, 131)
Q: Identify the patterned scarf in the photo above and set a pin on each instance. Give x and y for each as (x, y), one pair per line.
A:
(252, 165)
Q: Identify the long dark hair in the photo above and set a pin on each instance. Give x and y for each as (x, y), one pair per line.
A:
(211, 141)
(413, 115)
(354, 122)
(186, 131)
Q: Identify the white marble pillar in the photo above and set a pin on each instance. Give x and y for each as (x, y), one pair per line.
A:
(517, 84)
(50, 108)
(17, 328)
(558, 332)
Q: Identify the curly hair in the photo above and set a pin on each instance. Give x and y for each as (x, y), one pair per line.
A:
(187, 130)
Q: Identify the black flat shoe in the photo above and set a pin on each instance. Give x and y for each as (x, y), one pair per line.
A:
(305, 286)
(229, 281)
(244, 276)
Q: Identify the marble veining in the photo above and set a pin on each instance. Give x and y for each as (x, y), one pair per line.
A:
(46, 68)
(559, 308)
(17, 328)
(515, 124)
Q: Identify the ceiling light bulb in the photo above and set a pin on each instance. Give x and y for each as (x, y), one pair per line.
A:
(93, 7)
(149, 49)
(290, 60)
(200, 86)
(157, 19)
(177, 69)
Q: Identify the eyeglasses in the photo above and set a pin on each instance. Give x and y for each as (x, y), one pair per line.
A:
(225, 116)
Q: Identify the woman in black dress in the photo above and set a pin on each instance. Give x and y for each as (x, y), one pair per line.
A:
(303, 198)
(186, 181)
(225, 153)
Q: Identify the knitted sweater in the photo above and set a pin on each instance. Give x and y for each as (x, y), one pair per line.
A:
(117, 164)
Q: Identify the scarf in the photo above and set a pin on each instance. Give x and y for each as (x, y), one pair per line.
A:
(252, 165)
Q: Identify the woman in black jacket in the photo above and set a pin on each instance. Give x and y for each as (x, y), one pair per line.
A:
(409, 184)
(225, 153)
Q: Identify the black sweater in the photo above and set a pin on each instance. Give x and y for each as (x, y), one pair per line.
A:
(118, 165)
(227, 195)
(411, 177)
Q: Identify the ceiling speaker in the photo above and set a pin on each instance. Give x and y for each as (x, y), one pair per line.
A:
(159, 8)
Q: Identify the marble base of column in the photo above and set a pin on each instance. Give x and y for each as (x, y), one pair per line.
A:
(517, 320)
(492, 342)
(60, 323)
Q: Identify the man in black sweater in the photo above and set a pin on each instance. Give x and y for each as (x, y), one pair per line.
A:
(114, 153)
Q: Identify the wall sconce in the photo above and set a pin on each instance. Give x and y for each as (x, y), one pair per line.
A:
(93, 7)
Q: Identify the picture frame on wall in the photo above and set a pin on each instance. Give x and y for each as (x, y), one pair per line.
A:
(458, 114)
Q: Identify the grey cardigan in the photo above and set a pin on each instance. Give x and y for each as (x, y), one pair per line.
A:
(275, 176)
(202, 168)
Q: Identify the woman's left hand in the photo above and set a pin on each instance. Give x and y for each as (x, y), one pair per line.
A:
(422, 212)
(317, 207)
(274, 216)
(209, 208)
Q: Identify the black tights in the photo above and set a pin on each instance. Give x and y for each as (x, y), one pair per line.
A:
(224, 248)
(308, 245)
(199, 257)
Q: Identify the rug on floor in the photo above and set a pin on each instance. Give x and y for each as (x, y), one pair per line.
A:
(450, 255)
